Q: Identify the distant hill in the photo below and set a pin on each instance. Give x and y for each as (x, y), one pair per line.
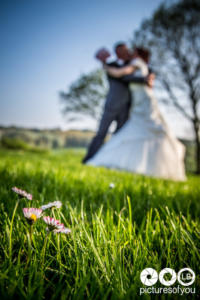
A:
(57, 138)
(49, 138)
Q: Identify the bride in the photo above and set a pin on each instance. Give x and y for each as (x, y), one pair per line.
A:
(145, 144)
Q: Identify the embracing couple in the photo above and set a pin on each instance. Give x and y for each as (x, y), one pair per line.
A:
(143, 142)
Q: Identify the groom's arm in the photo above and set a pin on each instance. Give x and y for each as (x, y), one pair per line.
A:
(134, 79)
(128, 78)
(131, 78)
(149, 80)
(137, 79)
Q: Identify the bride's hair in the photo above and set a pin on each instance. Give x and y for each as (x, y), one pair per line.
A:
(143, 53)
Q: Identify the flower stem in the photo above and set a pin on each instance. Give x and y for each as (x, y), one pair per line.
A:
(58, 249)
(11, 229)
(44, 248)
(31, 233)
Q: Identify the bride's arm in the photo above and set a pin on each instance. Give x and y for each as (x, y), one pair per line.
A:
(119, 72)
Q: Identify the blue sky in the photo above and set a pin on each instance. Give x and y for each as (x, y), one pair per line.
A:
(46, 45)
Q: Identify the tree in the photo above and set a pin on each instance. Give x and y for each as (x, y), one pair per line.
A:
(173, 36)
(85, 96)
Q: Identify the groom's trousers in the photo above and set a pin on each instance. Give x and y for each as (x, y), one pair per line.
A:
(107, 118)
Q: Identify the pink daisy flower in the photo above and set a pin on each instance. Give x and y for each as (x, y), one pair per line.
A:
(55, 225)
(22, 193)
(56, 204)
(64, 230)
(32, 214)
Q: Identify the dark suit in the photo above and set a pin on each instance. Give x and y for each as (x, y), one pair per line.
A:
(117, 106)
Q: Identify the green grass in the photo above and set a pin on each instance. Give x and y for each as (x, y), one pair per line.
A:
(116, 233)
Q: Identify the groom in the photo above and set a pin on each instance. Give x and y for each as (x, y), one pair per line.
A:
(118, 100)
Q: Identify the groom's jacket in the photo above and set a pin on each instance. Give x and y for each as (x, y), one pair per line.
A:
(119, 94)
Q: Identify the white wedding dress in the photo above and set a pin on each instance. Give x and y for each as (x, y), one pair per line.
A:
(145, 144)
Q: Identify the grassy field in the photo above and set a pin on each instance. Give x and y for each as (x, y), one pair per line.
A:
(115, 232)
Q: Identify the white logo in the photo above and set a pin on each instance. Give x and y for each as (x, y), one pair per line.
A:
(185, 277)
(163, 280)
(149, 276)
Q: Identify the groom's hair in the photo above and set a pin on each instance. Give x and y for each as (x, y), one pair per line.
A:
(119, 45)
(121, 51)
